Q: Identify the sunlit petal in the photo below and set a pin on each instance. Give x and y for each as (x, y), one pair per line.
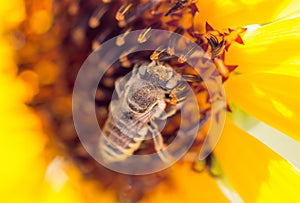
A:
(231, 13)
(288, 9)
(267, 47)
(280, 143)
(11, 13)
(73, 188)
(270, 97)
(255, 171)
(283, 183)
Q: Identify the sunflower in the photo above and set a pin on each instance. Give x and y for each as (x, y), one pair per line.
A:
(256, 159)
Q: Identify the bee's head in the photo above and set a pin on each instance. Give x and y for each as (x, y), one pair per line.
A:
(159, 74)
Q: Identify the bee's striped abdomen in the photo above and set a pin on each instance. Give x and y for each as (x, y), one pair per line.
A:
(118, 140)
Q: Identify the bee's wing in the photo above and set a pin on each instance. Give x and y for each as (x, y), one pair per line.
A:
(135, 124)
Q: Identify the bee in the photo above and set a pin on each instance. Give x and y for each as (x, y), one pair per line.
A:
(141, 100)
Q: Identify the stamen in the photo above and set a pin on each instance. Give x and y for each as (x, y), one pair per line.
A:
(139, 11)
(177, 6)
(173, 40)
(188, 52)
(73, 8)
(217, 48)
(125, 61)
(96, 43)
(155, 55)
(120, 15)
(192, 78)
(121, 39)
(97, 15)
(79, 31)
(144, 36)
(78, 35)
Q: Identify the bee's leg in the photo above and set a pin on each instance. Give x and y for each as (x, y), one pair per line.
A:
(160, 109)
(170, 112)
(161, 114)
(156, 135)
(159, 144)
(141, 135)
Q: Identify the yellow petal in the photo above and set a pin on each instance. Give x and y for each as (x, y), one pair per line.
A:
(11, 14)
(72, 187)
(288, 8)
(267, 47)
(256, 172)
(22, 142)
(231, 13)
(282, 177)
(25, 153)
(268, 74)
(270, 97)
